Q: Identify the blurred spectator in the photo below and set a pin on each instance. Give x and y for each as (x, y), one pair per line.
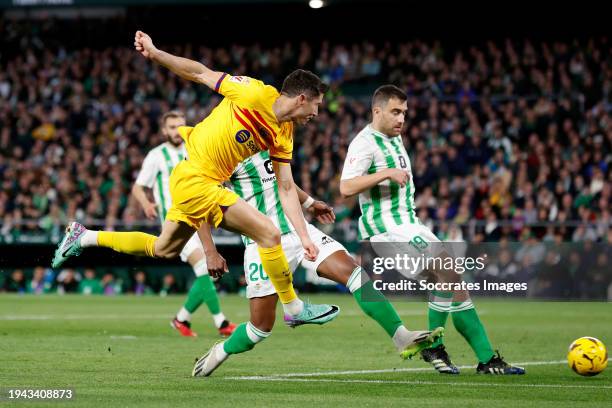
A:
(599, 278)
(110, 285)
(15, 282)
(68, 281)
(42, 281)
(90, 285)
(140, 284)
(532, 251)
(505, 269)
(168, 285)
(553, 277)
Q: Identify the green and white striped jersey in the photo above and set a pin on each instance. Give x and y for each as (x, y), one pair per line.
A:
(254, 181)
(155, 173)
(387, 204)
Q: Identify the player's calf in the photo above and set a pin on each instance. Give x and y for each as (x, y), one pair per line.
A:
(172, 239)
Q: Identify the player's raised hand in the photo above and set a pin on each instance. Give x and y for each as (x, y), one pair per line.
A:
(216, 264)
(144, 44)
(310, 250)
(322, 212)
(398, 176)
(150, 211)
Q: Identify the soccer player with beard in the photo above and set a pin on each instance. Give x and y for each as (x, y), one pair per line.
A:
(377, 167)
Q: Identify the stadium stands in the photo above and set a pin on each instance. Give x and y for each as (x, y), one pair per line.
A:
(508, 139)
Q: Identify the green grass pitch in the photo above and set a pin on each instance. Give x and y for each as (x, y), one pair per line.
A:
(121, 351)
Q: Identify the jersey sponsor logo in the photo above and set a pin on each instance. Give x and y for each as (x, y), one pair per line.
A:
(240, 80)
(252, 147)
(268, 166)
(242, 136)
(402, 161)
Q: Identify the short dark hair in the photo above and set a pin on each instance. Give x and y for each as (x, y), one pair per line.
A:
(386, 92)
(304, 82)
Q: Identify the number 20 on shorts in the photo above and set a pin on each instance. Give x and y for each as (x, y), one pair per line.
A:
(253, 269)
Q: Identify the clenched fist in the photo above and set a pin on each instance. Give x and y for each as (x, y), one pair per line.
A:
(144, 44)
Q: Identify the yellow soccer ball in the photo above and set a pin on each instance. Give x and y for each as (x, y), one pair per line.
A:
(587, 356)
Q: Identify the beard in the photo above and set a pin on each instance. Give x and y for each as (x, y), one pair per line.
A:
(392, 131)
(171, 140)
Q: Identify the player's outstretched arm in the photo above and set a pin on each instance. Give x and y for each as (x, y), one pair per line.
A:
(356, 185)
(292, 208)
(183, 67)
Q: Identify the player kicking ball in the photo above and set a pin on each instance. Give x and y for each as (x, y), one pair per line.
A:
(154, 178)
(254, 181)
(252, 117)
(377, 167)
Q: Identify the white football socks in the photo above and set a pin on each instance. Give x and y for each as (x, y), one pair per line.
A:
(218, 318)
(401, 338)
(89, 239)
(183, 315)
(294, 307)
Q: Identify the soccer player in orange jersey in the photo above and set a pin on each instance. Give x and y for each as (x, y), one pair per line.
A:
(251, 118)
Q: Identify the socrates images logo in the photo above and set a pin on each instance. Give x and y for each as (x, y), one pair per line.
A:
(242, 136)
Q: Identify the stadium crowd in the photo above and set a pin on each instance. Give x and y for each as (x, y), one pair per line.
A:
(508, 139)
(89, 281)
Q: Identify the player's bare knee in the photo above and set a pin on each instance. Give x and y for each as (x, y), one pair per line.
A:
(269, 237)
(274, 236)
(338, 267)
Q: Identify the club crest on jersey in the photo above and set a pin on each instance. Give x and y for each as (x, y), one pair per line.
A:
(240, 80)
(242, 136)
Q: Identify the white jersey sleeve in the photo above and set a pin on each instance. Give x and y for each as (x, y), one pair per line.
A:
(359, 158)
(148, 171)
